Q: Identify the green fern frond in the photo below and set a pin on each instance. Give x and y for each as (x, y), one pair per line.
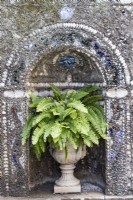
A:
(83, 119)
(82, 123)
(78, 106)
(64, 135)
(56, 130)
(58, 109)
(99, 107)
(39, 131)
(71, 94)
(93, 137)
(56, 91)
(104, 127)
(47, 131)
(42, 144)
(94, 119)
(100, 115)
(27, 128)
(66, 152)
(90, 89)
(73, 114)
(65, 113)
(73, 142)
(80, 94)
(82, 129)
(103, 135)
(88, 142)
(96, 123)
(91, 99)
(45, 104)
(55, 112)
(35, 101)
(40, 117)
(73, 127)
(80, 141)
(56, 141)
(65, 95)
(37, 151)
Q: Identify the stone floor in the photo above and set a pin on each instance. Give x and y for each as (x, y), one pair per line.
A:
(45, 192)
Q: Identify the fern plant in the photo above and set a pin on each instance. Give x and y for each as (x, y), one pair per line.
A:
(72, 116)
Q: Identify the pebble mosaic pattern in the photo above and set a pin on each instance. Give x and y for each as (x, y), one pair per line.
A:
(70, 44)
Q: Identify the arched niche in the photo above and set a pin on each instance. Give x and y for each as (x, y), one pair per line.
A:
(17, 79)
(67, 68)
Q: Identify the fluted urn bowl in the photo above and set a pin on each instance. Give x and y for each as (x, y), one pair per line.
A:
(67, 183)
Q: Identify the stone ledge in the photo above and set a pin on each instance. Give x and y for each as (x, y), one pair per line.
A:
(90, 196)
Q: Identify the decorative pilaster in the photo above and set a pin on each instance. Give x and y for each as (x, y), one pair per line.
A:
(116, 149)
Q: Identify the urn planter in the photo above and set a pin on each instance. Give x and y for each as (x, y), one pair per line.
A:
(68, 183)
(69, 117)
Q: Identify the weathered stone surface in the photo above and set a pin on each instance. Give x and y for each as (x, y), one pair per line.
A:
(99, 33)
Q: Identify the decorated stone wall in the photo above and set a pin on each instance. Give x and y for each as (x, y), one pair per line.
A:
(71, 44)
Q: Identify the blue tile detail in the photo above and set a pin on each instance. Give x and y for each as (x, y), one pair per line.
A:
(96, 46)
(118, 140)
(100, 53)
(107, 62)
(121, 135)
(68, 61)
(111, 132)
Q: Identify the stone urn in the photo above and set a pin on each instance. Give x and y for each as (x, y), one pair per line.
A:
(67, 183)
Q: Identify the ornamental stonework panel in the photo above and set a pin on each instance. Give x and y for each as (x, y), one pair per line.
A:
(69, 44)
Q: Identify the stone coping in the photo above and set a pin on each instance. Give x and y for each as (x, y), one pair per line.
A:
(85, 196)
(121, 2)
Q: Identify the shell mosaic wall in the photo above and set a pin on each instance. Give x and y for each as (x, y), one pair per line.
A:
(71, 44)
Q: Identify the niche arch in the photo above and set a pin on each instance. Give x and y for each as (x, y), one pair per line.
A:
(16, 84)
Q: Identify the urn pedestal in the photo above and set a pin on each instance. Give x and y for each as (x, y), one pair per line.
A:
(67, 183)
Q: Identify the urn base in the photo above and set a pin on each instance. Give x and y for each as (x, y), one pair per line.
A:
(68, 183)
(69, 189)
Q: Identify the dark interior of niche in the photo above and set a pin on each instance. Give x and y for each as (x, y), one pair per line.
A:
(64, 62)
(90, 170)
